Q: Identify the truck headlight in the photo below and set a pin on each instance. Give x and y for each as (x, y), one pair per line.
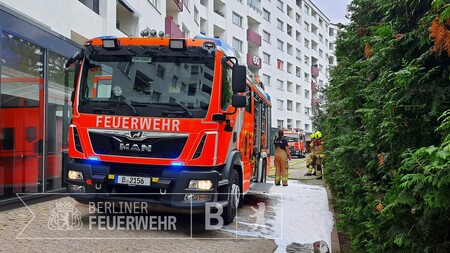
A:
(75, 175)
(201, 184)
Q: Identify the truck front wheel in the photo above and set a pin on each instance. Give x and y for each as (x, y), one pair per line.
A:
(234, 197)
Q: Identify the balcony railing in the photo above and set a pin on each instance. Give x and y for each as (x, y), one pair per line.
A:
(253, 60)
(314, 102)
(172, 29)
(314, 70)
(313, 86)
(253, 37)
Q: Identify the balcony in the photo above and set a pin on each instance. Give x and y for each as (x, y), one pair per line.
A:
(253, 37)
(175, 5)
(253, 61)
(172, 28)
(313, 86)
(314, 70)
(314, 102)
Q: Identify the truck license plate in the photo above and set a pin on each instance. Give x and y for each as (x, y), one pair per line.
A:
(129, 180)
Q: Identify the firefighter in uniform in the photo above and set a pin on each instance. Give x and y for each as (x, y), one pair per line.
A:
(311, 159)
(318, 148)
(282, 154)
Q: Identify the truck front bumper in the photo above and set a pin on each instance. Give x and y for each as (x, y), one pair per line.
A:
(168, 187)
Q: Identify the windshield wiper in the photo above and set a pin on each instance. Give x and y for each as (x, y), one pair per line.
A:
(174, 104)
(117, 102)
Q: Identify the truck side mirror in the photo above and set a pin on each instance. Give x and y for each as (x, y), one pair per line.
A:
(239, 79)
(238, 101)
(75, 57)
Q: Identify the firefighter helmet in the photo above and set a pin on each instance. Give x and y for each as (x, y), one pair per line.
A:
(318, 134)
(313, 135)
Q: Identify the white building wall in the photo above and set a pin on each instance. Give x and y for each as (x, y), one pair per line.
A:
(74, 20)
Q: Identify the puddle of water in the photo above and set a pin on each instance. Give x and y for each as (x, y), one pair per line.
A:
(298, 213)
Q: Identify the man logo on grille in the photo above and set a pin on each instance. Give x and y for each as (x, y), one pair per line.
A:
(136, 135)
(65, 217)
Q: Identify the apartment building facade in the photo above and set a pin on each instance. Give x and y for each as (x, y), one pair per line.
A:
(288, 44)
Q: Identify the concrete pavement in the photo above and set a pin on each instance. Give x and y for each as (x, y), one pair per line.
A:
(37, 237)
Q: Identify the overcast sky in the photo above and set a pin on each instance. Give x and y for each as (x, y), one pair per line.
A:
(335, 10)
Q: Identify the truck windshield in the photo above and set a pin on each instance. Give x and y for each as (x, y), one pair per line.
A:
(292, 137)
(147, 81)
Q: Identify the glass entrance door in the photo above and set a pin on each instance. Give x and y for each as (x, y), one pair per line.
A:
(21, 116)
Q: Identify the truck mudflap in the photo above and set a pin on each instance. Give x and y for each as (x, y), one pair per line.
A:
(163, 187)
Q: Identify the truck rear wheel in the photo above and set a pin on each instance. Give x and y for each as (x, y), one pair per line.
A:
(234, 198)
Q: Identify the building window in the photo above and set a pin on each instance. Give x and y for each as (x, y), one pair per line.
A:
(280, 64)
(266, 36)
(298, 36)
(255, 4)
(307, 77)
(237, 20)
(306, 9)
(289, 105)
(266, 58)
(196, 17)
(186, 4)
(307, 94)
(280, 5)
(306, 24)
(289, 123)
(280, 104)
(298, 107)
(237, 44)
(289, 49)
(186, 32)
(289, 86)
(91, 4)
(266, 15)
(298, 54)
(161, 71)
(298, 72)
(280, 45)
(298, 89)
(280, 84)
(280, 123)
(289, 68)
(307, 110)
(266, 79)
(331, 32)
(306, 127)
(306, 41)
(280, 25)
(126, 20)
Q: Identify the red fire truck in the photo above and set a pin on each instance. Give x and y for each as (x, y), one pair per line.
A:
(176, 123)
(296, 143)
